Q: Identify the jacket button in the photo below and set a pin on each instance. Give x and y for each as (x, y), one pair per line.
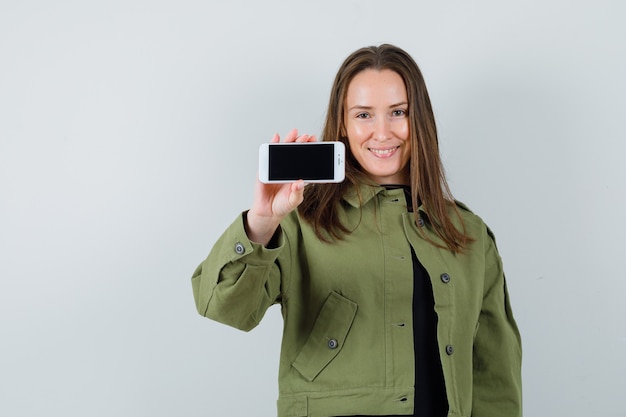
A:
(239, 248)
(445, 278)
(332, 344)
(449, 350)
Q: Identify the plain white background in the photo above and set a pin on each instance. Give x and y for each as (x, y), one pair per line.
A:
(128, 139)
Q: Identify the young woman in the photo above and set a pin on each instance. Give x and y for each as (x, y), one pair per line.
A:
(393, 294)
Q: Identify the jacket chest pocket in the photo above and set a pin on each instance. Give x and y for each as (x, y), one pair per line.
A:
(327, 337)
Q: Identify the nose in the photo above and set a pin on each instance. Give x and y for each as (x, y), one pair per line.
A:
(382, 129)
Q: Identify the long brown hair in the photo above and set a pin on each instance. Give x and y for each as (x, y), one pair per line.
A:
(428, 184)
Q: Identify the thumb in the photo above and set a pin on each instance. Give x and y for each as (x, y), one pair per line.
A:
(297, 193)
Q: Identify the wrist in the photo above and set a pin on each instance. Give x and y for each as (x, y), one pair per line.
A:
(260, 229)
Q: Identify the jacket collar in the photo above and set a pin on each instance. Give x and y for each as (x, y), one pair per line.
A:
(367, 191)
(361, 194)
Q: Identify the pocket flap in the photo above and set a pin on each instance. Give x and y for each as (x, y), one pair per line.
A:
(327, 337)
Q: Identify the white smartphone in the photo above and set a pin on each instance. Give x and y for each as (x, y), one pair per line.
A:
(320, 162)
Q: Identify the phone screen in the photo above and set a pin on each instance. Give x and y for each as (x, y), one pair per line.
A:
(306, 162)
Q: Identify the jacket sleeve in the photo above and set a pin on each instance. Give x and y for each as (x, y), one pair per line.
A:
(239, 280)
(497, 385)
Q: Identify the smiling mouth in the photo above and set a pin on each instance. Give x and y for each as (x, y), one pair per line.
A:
(383, 152)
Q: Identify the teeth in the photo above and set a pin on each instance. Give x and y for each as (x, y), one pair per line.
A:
(382, 151)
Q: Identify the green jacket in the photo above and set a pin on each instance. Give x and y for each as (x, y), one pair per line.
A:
(347, 344)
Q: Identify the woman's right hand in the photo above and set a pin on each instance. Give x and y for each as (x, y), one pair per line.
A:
(273, 202)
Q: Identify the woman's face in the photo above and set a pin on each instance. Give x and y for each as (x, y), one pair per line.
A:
(377, 124)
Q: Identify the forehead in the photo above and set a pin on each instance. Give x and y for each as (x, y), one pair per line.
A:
(376, 85)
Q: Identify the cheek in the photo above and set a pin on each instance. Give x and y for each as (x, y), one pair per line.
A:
(355, 132)
(355, 136)
(402, 129)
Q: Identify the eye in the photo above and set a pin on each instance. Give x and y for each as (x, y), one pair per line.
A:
(399, 113)
(362, 115)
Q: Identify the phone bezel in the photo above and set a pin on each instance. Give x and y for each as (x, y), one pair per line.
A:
(339, 152)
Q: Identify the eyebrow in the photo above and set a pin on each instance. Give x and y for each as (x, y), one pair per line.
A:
(361, 107)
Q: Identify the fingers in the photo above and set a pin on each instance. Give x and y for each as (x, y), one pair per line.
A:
(292, 136)
(306, 138)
